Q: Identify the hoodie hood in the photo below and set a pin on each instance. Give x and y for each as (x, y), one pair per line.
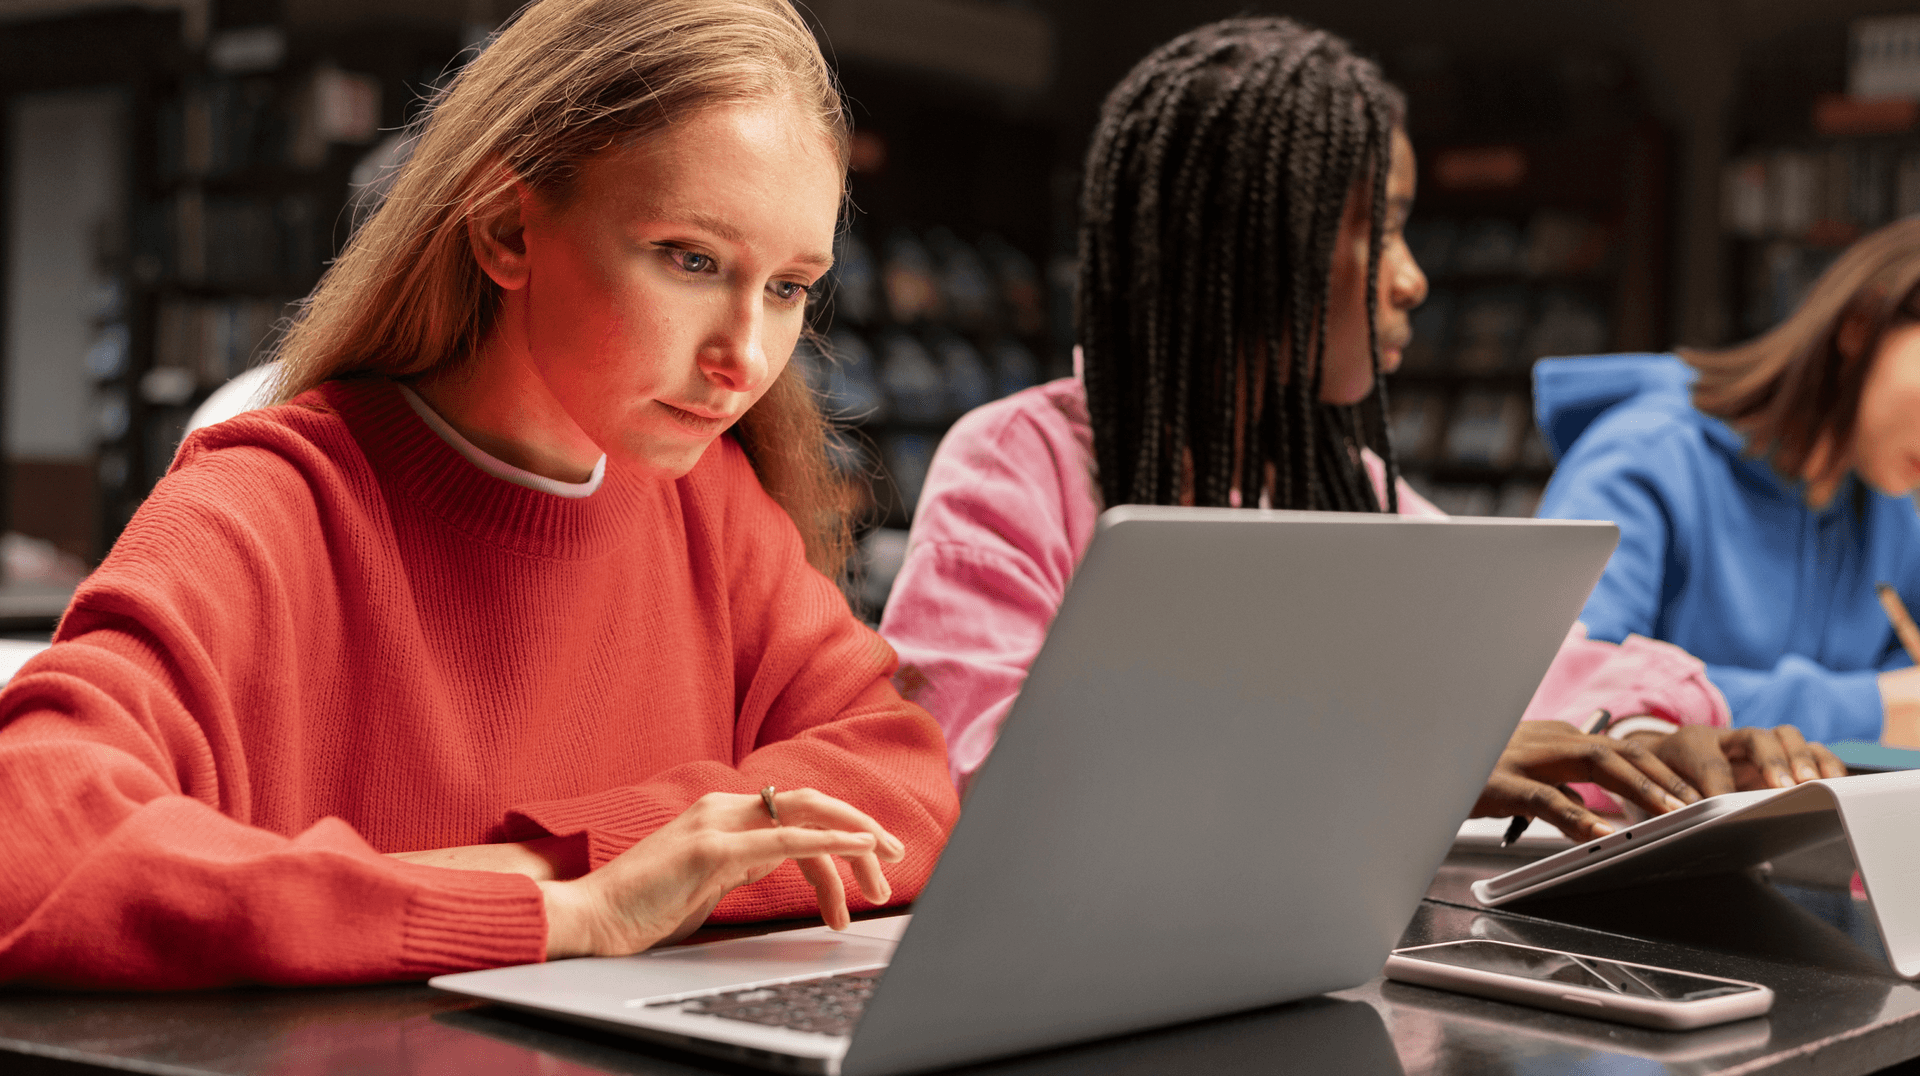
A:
(1569, 394)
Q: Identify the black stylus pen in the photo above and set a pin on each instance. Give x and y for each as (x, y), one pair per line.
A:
(1514, 829)
(1597, 723)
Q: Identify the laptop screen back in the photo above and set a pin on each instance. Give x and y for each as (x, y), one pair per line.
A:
(1232, 771)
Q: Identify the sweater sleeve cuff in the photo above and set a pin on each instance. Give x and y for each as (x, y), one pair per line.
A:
(612, 821)
(462, 920)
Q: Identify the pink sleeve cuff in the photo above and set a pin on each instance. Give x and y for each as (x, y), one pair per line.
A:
(1639, 676)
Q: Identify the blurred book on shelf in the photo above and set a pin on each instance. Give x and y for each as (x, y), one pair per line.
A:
(915, 385)
(1564, 323)
(1884, 59)
(207, 342)
(1561, 243)
(1489, 326)
(218, 127)
(1416, 420)
(1791, 200)
(1825, 194)
(1486, 247)
(1485, 429)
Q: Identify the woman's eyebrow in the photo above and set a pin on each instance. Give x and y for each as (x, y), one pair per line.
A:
(723, 229)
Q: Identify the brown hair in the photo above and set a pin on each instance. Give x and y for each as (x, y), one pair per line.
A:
(1795, 391)
(565, 81)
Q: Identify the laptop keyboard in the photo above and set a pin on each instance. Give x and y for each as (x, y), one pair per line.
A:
(828, 1006)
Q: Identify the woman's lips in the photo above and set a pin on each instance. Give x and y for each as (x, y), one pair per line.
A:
(698, 421)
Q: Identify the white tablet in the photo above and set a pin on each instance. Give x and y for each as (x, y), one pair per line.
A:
(1648, 850)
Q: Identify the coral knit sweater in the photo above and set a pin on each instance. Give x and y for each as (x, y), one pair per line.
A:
(326, 636)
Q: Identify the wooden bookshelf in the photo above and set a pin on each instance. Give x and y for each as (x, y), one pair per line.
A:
(240, 198)
(1534, 246)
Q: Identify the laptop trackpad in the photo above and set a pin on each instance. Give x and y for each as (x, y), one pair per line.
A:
(786, 954)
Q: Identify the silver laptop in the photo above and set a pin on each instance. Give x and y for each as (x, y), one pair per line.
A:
(1235, 765)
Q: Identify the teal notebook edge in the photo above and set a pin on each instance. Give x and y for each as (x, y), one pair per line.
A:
(1865, 756)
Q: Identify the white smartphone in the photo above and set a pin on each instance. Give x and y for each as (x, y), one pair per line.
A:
(1637, 994)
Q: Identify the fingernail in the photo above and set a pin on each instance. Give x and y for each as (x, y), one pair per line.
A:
(894, 847)
(1601, 829)
(1674, 803)
(1782, 780)
(1806, 774)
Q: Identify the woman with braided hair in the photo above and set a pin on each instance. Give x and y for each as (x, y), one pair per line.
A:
(1244, 287)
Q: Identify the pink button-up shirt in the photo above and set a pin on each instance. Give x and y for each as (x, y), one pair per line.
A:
(1008, 510)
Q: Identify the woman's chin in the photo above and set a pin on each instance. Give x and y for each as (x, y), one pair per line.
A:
(666, 463)
(1346, 395)
(1894, 479)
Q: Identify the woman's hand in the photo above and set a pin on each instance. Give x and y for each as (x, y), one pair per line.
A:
(664, 887)
(1543, 754)
(1736, 760)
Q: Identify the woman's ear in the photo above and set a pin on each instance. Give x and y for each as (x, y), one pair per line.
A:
(497, 229)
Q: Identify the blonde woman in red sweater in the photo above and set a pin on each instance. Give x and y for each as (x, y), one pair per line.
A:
(481, 647)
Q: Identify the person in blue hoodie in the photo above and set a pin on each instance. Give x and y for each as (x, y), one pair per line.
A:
(1761, 492)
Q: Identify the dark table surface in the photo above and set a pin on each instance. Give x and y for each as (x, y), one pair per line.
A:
(1838, 1011)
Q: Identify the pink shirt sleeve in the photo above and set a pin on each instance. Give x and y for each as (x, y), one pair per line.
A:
(1640, 676)
(1006, 512)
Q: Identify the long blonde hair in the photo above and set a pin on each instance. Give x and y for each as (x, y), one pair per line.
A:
(567, 80)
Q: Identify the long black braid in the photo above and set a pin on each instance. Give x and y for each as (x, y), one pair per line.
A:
(1216, 185)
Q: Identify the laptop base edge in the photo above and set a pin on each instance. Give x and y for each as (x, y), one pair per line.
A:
(746, 1055)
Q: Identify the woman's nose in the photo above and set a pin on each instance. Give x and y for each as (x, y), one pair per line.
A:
(734, 356)
(1409, 283)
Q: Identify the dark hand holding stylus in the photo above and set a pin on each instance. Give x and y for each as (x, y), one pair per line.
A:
(1657, 772)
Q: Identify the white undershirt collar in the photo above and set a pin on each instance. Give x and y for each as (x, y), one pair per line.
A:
(499, 468)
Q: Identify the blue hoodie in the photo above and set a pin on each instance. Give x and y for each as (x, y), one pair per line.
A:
(1719, 555)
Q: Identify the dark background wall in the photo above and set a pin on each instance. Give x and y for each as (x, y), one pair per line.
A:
(1628, 109)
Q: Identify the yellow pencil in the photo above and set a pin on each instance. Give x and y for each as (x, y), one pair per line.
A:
(1902, 623)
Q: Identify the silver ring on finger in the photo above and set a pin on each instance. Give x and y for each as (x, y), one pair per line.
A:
(766, 797)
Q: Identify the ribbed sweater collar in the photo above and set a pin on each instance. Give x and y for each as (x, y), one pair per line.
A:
(421, 468)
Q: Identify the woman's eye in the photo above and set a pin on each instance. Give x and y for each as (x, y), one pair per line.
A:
(690, 261)
(789, 291)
